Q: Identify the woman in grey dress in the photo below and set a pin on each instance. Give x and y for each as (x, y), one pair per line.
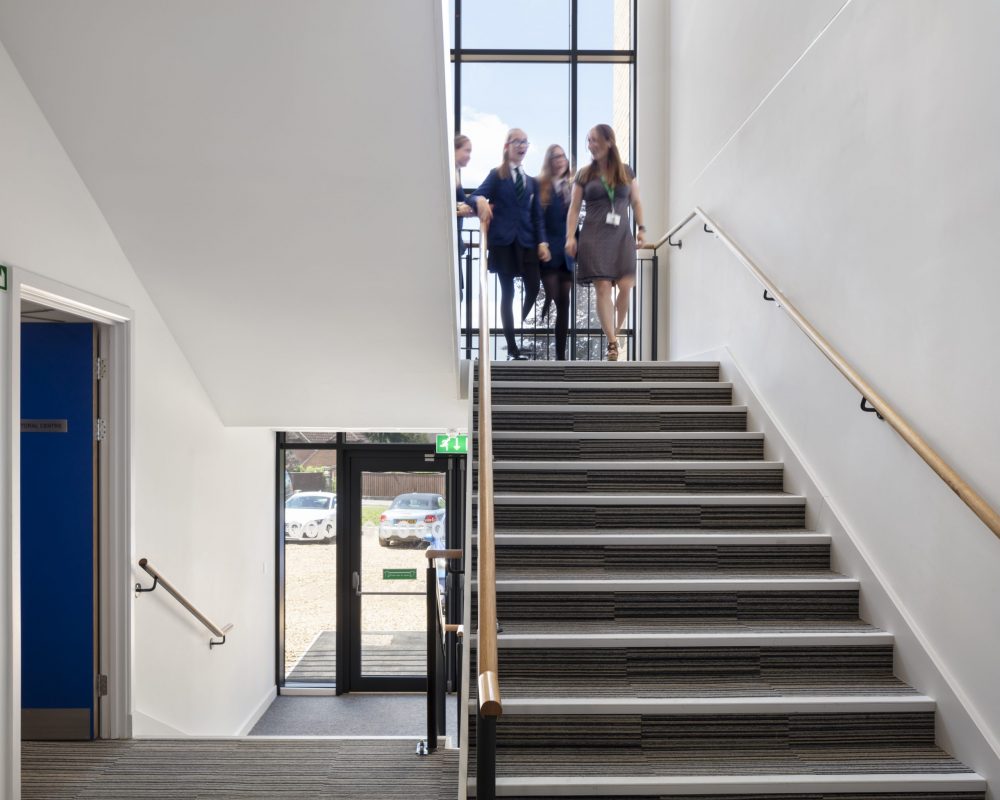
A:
(605, 255)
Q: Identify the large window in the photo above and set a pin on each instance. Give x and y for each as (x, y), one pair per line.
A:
(554, 68)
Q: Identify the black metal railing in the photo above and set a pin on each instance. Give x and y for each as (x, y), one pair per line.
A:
(536, 337)
(438, 635)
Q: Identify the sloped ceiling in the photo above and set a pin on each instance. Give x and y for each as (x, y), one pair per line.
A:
(277, 174)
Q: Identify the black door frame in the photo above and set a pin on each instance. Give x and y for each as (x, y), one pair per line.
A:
(357, 460)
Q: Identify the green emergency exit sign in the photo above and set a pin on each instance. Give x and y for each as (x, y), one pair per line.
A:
(399, 574)
(459, 443)
(3, 278)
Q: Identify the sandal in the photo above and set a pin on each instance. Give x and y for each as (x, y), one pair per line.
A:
(613, 350)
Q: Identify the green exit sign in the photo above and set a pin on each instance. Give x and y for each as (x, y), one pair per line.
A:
(399, 574)
(3, 278)
(459, 443)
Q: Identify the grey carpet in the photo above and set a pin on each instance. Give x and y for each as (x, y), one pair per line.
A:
(244, 769)
(361, 714)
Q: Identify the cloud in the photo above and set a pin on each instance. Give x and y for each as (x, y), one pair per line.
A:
(488, 134)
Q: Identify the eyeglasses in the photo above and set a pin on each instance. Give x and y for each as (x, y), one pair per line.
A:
(519, 142)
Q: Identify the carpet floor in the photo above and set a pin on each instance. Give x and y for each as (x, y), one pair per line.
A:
(237, 769)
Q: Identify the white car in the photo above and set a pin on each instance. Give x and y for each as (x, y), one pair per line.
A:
(311, 515)
(416, 519)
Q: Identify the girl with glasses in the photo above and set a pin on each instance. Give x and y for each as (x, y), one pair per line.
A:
(555, 188)
(517, 239)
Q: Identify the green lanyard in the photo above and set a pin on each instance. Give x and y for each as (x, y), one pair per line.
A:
(610, 191)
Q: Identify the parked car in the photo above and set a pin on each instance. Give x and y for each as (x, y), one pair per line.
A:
(415, 519)
(311, 515)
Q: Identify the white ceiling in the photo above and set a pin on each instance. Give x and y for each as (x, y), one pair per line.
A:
(278, 176)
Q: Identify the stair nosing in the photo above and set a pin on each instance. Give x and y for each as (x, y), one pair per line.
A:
(701, 499)
(669, 585)
(647, 465)
(749, 638)
(776, 783)
(652, 384)
(656, 435)
(705, 706)
(619, 409)
(666, 538)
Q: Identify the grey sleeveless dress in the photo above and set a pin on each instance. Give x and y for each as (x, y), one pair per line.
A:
(605, 252)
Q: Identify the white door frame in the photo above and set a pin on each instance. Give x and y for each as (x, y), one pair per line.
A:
(114, 535)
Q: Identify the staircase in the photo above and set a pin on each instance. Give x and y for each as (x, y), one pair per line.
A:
(669, 626)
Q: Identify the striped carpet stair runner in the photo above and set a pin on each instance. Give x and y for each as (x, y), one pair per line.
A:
(669, 626)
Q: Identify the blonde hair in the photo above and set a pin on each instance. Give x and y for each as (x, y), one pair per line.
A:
(616, 174)
(546, 179)
(504, 169)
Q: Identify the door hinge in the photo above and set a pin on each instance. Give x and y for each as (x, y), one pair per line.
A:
(100, 369)
(100, 430)
(102, 685)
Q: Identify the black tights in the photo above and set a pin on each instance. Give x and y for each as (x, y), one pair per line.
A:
(558, 286)
(530, 288)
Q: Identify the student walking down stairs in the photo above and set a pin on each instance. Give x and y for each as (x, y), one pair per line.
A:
(669, 627)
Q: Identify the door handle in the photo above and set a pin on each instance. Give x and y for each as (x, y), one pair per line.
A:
(356, 583)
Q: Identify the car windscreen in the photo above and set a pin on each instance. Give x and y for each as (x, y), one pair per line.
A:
(311, 502)
(415, 501)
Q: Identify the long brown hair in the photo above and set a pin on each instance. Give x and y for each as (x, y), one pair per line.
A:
(616, 174)
(504, 169)
(546, 178)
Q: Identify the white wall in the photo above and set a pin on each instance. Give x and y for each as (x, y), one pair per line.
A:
(203, 501)
(851, 149)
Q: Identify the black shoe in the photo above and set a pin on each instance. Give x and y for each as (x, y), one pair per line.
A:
(516, 357)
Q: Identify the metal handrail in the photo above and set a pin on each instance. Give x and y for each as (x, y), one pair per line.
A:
(879, 405)
(159, 580)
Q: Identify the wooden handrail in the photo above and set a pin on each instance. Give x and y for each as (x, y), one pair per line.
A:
(159, 580)
(489, 682)
(945, 471)
(431, 554)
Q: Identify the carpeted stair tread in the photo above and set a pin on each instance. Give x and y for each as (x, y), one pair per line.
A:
(700, 627)
(611, 574)
(605, 760)
(603, 371)
(547, 686)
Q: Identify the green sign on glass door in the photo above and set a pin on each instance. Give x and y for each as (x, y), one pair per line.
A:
(399, 574)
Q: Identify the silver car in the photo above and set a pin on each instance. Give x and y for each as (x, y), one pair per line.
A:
(415, 519)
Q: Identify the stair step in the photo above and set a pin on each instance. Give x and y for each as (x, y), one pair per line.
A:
(644, 633)
(616, 445)
(583, 558)
(635, 476)
(618, 392)
(616, 418)
(679, 538)
(653, 734)
(658, 511)
(707, 668)
(572, 371)
(919, 773)
(524, 581)
(876, 703)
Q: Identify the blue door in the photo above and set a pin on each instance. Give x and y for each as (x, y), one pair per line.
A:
(57, 531)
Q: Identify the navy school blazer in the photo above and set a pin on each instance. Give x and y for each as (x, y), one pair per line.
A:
(513, 219)
(555, 225)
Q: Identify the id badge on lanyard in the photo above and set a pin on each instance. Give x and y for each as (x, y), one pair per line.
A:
(612, 218)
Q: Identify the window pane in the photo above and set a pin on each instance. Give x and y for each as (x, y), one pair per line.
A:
(515, 24)
(389, 437)
(497, 97)
(605, 96)
(604, 25)
(310, 437)
(310, 535)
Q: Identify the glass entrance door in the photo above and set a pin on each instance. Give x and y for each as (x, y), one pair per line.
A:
(399, 510)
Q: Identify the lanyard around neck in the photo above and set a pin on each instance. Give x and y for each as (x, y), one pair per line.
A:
(609, 190)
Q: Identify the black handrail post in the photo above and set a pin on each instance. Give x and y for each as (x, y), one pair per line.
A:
(654, 316)
(433, 647)
(486, 758)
